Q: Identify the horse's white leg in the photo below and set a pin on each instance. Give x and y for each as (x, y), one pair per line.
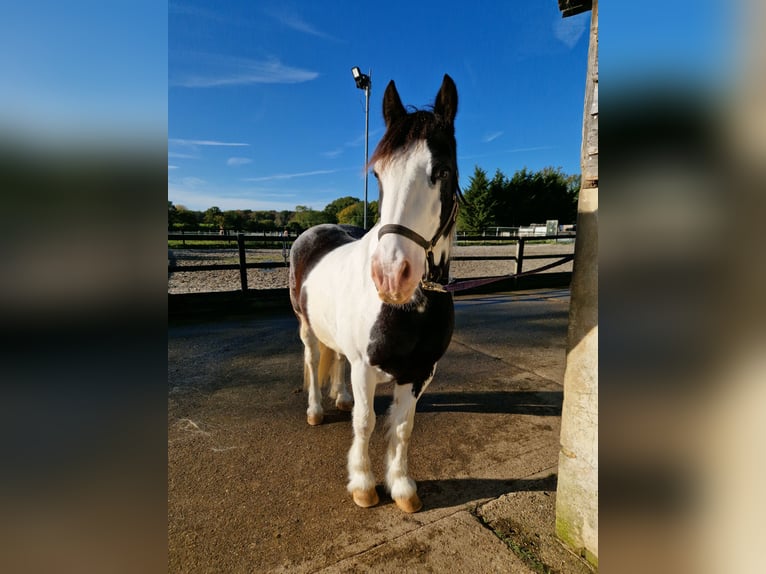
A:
(401, 419)
(339, 391)
(311, 356)
(361, 482)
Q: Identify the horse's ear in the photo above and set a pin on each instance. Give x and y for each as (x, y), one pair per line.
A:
(392, 105)
(446, 100)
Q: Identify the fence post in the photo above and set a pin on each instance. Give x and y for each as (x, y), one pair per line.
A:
(520, 254)
(242, 262)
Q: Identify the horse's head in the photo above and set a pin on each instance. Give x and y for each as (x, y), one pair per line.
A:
(416, 166)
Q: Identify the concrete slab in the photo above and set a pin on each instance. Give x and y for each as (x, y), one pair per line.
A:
(251, 487)
(453, 544)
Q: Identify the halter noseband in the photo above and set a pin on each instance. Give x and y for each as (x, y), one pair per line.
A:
(428, 281)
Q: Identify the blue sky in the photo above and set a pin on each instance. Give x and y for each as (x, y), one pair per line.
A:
(263, 112)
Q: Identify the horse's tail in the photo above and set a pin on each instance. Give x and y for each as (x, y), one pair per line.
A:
(327, 358)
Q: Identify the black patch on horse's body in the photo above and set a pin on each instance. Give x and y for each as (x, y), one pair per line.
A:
(407, 343)
(310, 247)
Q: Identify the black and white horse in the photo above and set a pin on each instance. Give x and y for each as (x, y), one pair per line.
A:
(377, 299)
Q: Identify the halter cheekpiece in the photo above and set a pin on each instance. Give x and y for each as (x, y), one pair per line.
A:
(430, 280)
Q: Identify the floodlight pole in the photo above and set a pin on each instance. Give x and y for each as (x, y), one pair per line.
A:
(366, 138)
(363, 82)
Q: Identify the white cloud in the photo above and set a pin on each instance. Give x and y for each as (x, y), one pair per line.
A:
(216, 71)
(172, 166)
(491, 137)
(333, 153)
(356, 142)
(185, 142)
(504, 151)
(235, 161)
(177, 155)
(295, 22)
(193, 181)
(236, 199)
(291, 175)
(569, 30)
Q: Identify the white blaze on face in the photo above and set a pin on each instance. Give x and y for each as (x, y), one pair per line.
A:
(409, 198)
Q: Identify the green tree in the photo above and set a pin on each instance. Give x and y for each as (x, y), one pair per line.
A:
(235, 219)
(354, 214)
(213, 216)
(534, 197)
(478, 211)
(186, 219)
(305, 217)
(282, 218)
(172, 215)
(335, 207)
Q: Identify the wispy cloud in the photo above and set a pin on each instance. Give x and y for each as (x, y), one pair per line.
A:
(491, 137)
(193, 181)
(295, 22)
(172, 166)
(185, 142)
(356, 142)
(199, 198)
(217, 71)
(291, 175)
(177, 155)
(236, 161)
(504, 151)
(333, 153)
(569, 30)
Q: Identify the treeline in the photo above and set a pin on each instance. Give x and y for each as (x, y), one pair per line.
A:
(526, 197)
(347, 209)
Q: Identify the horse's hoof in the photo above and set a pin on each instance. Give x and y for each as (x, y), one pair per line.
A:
(409, 505)
(344, 406)
(315, 420)
(365, 498)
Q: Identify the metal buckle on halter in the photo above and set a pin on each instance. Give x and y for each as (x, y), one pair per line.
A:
(432, 286)
(425, 283)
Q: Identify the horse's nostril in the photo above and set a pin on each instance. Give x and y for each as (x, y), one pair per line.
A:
(405, 270)
(377, 274)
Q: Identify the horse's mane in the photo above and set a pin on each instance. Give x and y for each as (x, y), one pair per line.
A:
(416, 125)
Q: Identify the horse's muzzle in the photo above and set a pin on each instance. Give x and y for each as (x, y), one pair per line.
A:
(396, 281)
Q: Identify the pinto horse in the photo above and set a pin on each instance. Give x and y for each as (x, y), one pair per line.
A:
(377, 299)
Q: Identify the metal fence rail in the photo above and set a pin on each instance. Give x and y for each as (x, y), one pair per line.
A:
(285, 243)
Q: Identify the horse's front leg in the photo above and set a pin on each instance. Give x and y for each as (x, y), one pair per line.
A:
(401, 419)
(361, 481)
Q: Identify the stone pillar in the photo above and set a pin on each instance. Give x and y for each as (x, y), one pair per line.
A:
(577, 492)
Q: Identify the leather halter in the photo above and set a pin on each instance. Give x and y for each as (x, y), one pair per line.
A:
(429, 279)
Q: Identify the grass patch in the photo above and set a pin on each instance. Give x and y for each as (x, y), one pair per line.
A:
(522, 546)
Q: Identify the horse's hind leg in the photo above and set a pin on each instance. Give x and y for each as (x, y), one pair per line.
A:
(339, 390)
(400, 422)
(311, 374)
(361, 481)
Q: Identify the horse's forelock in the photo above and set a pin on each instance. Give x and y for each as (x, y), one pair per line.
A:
(415, 126)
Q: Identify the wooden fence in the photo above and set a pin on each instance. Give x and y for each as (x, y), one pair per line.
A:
(284, 243)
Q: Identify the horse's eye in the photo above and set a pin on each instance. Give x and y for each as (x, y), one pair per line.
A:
(375, 173)
(441, 173)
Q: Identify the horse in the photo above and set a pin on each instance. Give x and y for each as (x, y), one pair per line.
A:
(362, 299)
